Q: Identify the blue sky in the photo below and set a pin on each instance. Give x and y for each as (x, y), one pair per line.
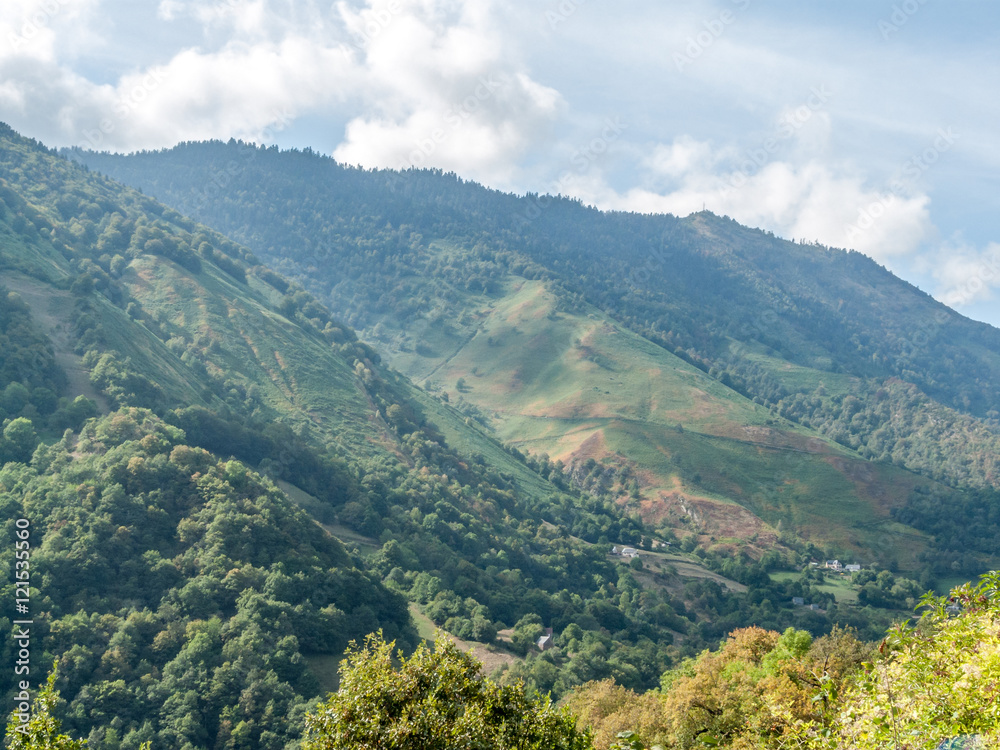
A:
(870, 125)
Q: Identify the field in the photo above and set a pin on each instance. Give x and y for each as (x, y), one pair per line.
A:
(656, 564)
(491, 657)
(838, 585)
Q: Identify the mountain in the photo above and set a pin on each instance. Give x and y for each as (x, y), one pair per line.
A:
(712, 377)
(223, 485)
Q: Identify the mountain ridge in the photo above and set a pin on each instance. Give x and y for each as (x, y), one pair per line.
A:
(803, 331)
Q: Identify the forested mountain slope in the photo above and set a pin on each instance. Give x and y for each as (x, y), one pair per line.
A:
(159, 385)
(697, 370)
(701, 282)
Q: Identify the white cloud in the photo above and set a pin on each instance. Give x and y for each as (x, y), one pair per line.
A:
(798, 196)
(965, 275)
(682, 157)
(42, 30)
(431, 83)
(235, 92)
(247, 19)
(442, 89)
(169, 10)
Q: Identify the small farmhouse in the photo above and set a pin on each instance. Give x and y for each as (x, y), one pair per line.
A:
(625, 551)
(547, 640)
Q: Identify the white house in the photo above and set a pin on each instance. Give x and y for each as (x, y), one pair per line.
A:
(853, 568)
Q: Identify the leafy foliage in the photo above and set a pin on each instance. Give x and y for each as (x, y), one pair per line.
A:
(203, 368)
(935, 681)
(33, 388)
(436, 699)
(41, 731)
(179, 592)
(184, 595)
(754, 692)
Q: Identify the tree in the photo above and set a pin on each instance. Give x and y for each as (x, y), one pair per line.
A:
(935, 681)
(42, 728)
(629, 740)
(761, 689)
(526, 633)
(19, 441)
(616, 713)
(14, 398)
(436, 700)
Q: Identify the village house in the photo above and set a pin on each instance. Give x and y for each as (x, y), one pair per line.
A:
(547, 641)
(625, 551)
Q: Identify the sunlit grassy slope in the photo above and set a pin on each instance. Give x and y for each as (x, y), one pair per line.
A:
(575, 385)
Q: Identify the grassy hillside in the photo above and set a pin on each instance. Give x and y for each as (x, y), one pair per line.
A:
(577, 387)
(714, 378)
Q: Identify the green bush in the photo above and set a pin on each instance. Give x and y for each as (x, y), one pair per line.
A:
(437, 699)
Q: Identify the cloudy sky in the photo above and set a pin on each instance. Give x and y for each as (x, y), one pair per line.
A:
(870, 124)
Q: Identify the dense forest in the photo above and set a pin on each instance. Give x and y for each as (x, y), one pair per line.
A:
(928, 685)
(177, 592)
